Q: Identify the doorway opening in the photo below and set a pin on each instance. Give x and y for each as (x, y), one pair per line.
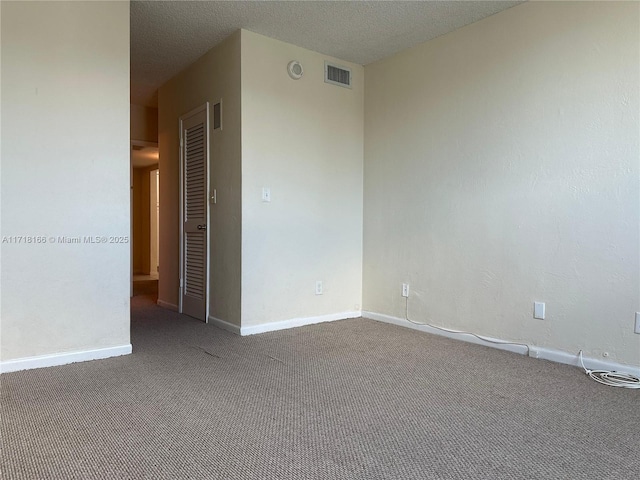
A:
(145, 208)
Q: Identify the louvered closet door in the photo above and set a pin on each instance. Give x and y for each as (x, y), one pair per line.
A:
(194, 188)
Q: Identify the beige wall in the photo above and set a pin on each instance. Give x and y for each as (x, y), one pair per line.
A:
(214, 77)
(303, 140)
(501, 168)
(65, 172)
(144, 123)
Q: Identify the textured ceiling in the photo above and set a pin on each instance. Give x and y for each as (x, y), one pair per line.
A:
(168, 36)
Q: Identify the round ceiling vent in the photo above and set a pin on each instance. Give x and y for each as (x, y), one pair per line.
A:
(295, 69)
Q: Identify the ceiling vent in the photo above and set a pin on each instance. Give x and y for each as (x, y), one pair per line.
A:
(337, 75)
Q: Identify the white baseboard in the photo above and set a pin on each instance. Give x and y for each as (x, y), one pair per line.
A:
(297, 322)
(521, 349)
(557, 356)
(167, 305)
(230, 327)
(53, 360)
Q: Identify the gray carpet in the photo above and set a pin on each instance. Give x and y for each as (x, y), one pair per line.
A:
(355, 399)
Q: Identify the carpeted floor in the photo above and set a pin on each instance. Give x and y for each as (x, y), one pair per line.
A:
(355, 399)
(146, 287)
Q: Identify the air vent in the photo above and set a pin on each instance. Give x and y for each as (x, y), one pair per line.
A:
(337, 75)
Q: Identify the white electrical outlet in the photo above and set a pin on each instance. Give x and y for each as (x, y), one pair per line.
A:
(538, 310)
(319, 287)
(637, 327)
(266, 194)
(405, 289)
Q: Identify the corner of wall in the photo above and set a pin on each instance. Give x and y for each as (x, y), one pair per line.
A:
(301, 140)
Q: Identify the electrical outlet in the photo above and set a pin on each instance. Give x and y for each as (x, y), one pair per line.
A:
(637, 327)
(405, 289)
(538, 310)
(319, 287)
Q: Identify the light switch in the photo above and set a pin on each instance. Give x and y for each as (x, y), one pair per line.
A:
(266, 194)
(538, 310)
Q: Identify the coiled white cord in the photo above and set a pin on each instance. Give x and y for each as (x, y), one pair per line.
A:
(612, 379)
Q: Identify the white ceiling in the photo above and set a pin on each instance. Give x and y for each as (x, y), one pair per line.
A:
(167, 36)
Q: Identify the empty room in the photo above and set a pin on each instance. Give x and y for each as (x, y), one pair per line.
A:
(319, 240)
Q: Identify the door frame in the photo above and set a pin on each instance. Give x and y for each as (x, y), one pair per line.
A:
(181, 285)
(154, 214)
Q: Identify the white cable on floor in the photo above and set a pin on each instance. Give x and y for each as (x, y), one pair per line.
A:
(612, 379)
(497, 342)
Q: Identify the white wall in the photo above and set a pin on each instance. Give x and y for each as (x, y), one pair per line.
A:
(304, 140)
(501, 168)
(213, 77)
(65, 172)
